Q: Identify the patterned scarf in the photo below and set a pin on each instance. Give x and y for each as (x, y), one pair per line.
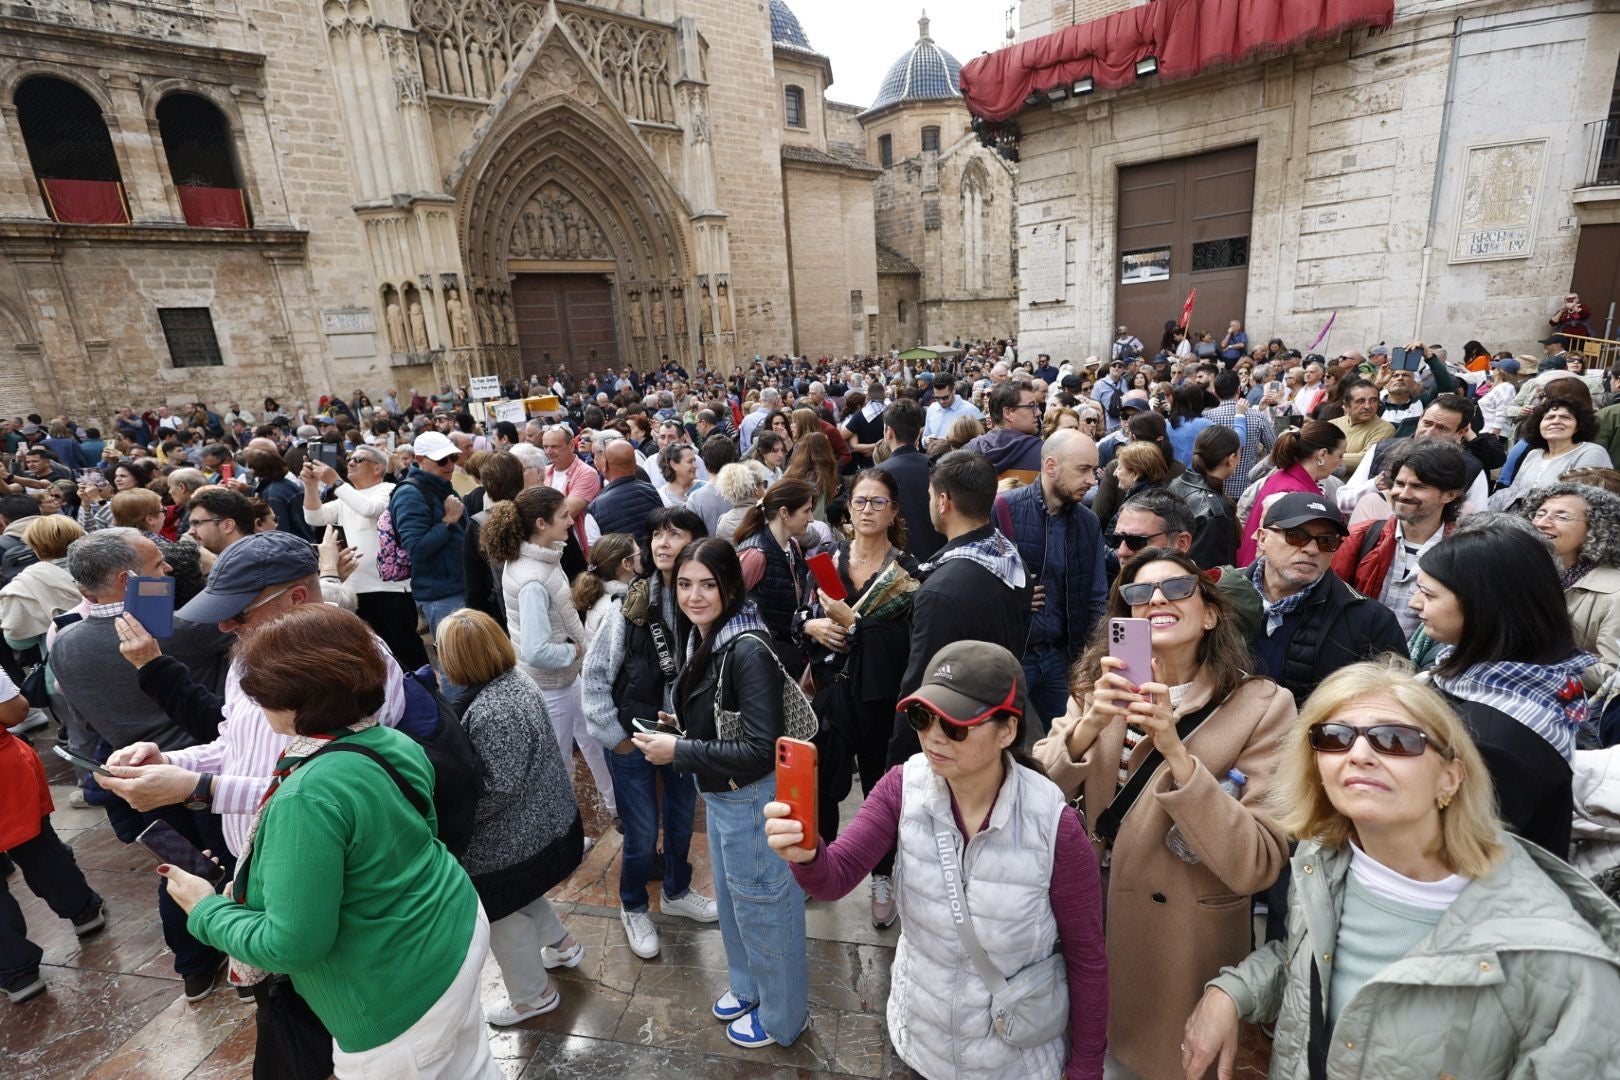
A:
(994, 552)
(298, 750)
(1549, 699)
(1569, 577)
(1277, 611)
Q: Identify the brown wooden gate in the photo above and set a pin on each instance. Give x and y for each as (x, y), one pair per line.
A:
(565, 320)
(1184, 225)
(1597, 273)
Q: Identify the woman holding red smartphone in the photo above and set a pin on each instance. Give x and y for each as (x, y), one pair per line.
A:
(861, 637)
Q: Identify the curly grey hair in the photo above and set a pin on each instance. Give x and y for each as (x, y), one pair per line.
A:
(1602, 545)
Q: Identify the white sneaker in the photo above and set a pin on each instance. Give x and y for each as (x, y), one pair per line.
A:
(640, 932)
(35, 720)
(570, 957)
(884, 911)
(509, 1014)
(693, 905)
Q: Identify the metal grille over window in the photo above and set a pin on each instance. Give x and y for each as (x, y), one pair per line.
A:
(795, 107)
(1220, 254)
(190, 334)
(930, 138)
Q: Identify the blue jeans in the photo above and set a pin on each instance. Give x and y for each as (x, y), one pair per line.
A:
(761, 910)
(1046, 671)
(635, 791)
(434, 612)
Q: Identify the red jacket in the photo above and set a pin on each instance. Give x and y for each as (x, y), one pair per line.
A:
(25, 798)
(1367, 575)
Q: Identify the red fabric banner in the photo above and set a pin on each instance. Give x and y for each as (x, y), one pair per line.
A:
(212, 207)
(86, 202)
(1186, 36)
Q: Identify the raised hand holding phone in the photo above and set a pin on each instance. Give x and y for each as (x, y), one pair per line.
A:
(796, 785)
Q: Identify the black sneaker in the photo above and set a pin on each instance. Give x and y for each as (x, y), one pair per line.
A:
(19, 988)
(201, 984)
(91, 925)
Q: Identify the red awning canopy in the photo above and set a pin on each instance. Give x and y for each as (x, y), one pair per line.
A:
(1186, 36)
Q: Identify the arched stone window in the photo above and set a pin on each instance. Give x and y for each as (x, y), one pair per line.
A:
(71, 152)
(793, 102)
(930, 139)
(202, 164)
(975, 208)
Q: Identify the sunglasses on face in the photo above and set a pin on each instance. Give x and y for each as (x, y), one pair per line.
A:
(1389, 740)
(1131, 541)
(1326, 543)
(920, 718)
(1139, 593)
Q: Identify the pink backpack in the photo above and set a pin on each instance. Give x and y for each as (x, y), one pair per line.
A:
(393, 558)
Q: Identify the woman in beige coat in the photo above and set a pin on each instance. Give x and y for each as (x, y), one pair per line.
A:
(1172, 924)
(1582, 523)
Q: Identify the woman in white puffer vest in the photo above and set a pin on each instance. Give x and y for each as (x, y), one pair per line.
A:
(524, 538)
(1030, 885)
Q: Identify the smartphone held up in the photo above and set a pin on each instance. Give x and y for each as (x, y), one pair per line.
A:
(796, 785)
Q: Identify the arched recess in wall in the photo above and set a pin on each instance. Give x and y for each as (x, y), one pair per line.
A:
(71, 152)
(17, 354)
(202, 161)
(976, 196)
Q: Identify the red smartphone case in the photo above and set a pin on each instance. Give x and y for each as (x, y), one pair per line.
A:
(825, 572)
(796, 784)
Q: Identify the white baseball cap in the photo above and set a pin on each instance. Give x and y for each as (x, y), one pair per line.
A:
(434, 446)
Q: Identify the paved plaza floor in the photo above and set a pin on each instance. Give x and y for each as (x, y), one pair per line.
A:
(114, 1008)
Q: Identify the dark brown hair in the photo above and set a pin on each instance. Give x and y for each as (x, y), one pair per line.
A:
(785, 494)
(1294, 447)
(510, 524)
(317, 661)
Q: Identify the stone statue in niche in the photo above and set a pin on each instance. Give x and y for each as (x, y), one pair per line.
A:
(452, 69)
(724, 303)
(677, 302)
(419, 334)
(508, 320)
(430, 62)
(658, 323)
(599, 244)
(708, 312)
(458, 320)
(475, 70)
(397, 341)
(638, 318)
(486, 326)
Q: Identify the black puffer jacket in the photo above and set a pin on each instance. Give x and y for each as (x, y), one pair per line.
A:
(753, 685)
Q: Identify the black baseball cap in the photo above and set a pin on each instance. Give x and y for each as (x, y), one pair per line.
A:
(1298, 507)
(968, 682)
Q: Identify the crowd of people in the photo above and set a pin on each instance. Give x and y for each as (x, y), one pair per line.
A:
(1342, 801)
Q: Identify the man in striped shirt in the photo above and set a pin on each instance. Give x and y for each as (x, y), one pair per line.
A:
(1256, 430)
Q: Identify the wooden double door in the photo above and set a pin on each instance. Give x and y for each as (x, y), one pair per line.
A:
(565, 320)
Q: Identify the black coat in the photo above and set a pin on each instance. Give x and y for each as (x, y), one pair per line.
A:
(1215, 529)
(1336, 626)
(1534, 784)
(909, 467)
(753, 685)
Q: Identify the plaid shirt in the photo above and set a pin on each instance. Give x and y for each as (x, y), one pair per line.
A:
(1257, 433)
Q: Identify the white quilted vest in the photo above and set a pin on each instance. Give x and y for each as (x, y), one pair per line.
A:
(543, 565)
(939, 1007)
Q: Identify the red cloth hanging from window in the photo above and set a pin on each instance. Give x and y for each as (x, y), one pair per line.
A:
(212, 207)
(86, 202)
(1186, 36)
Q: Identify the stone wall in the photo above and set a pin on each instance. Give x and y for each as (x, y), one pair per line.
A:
(834, 259)
(1349, 138)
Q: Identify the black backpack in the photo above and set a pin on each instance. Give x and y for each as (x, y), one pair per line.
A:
(15, 556)
(458, 771)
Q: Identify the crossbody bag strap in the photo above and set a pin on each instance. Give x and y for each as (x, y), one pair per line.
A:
(412, 796)
(1316, 1049)
(956, 898)
(1108, 822)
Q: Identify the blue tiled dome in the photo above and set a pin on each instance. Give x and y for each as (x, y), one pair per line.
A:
(785, 28)
(925, 73)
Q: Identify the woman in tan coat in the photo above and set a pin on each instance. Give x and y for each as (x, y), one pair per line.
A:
(1172, 922)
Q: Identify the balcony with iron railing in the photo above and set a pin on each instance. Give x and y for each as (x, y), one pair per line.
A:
(1602, 153)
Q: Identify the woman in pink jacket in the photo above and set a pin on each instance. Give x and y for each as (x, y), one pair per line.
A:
(1304, 458)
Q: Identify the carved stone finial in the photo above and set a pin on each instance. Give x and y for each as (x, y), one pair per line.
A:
(922, 26)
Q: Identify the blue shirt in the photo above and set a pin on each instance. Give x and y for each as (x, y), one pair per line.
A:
(940, 419)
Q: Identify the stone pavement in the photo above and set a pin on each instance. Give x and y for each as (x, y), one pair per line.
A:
(114, 1007)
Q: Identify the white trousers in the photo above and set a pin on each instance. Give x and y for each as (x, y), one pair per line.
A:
(449, 1042)
(566, 707)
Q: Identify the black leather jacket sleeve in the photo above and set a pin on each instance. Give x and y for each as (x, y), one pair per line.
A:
(191, 705)
(753, 683)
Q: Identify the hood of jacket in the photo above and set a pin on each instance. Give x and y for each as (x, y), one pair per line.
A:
(991, 550)
(1008, 449)
(20, 526)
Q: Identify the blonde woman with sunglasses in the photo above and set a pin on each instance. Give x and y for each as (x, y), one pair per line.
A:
(1422, 939)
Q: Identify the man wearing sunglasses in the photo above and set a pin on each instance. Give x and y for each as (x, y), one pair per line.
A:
(427, 517)
(1313, 623)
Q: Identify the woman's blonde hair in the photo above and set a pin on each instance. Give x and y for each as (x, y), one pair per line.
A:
(1470, 830)
(49, 535)
(472, 648)
(1145, 459)
(131, 508)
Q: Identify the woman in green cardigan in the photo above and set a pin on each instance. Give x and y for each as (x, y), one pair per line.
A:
(345, 886)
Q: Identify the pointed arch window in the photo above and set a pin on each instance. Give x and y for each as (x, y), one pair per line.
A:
(71, 152)
(976, 196)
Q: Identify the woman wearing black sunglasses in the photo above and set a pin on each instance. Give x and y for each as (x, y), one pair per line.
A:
(1172, 924)
(1422, 940)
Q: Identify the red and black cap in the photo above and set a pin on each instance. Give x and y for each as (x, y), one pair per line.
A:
(968, 682)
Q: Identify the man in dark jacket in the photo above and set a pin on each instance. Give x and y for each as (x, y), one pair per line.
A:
(902, 426)
(427, 517)
(1013, 446)
(624, 504)
(976, 588)
(1060, 541)
(1314, 623)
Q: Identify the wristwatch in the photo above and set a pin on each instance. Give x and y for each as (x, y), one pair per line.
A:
(203, 795)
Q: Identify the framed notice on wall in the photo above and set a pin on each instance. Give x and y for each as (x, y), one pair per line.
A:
(1499, 201)
(1043, 264)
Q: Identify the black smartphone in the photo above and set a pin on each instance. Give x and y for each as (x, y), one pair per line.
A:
(81, 762)
(161, 839)
(653, 727)
(1402, 360)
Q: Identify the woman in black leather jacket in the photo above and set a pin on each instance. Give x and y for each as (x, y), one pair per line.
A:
(1202, 488)
(731, 668)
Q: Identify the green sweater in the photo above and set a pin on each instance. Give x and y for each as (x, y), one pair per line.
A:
(351, 893)
(1374, 932)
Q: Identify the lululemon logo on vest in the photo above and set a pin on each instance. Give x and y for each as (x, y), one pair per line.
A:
(947, 858)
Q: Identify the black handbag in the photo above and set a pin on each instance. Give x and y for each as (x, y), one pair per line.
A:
(293, 1044)
(33, 687)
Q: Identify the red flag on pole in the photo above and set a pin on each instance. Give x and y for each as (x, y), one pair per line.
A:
(1186, 309)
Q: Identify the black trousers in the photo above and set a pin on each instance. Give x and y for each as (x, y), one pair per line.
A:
(393, 616)
(47, 866)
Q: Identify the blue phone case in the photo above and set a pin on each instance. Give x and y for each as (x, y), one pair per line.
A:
(151, 601)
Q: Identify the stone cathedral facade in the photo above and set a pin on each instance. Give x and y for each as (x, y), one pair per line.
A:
(222, 199)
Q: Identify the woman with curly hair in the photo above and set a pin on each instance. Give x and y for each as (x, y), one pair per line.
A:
(1560, 433)
(1583, 524)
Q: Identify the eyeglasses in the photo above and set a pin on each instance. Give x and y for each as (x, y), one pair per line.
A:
(1176, 588)
(257, 604)
(1033, 406)
(921, 718)
(1558, 517)
(194, 521)
(1130, 540)
(869, 502)
(1326, 543)
(1389, 740)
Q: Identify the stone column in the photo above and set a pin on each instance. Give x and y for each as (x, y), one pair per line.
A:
(153, 199)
